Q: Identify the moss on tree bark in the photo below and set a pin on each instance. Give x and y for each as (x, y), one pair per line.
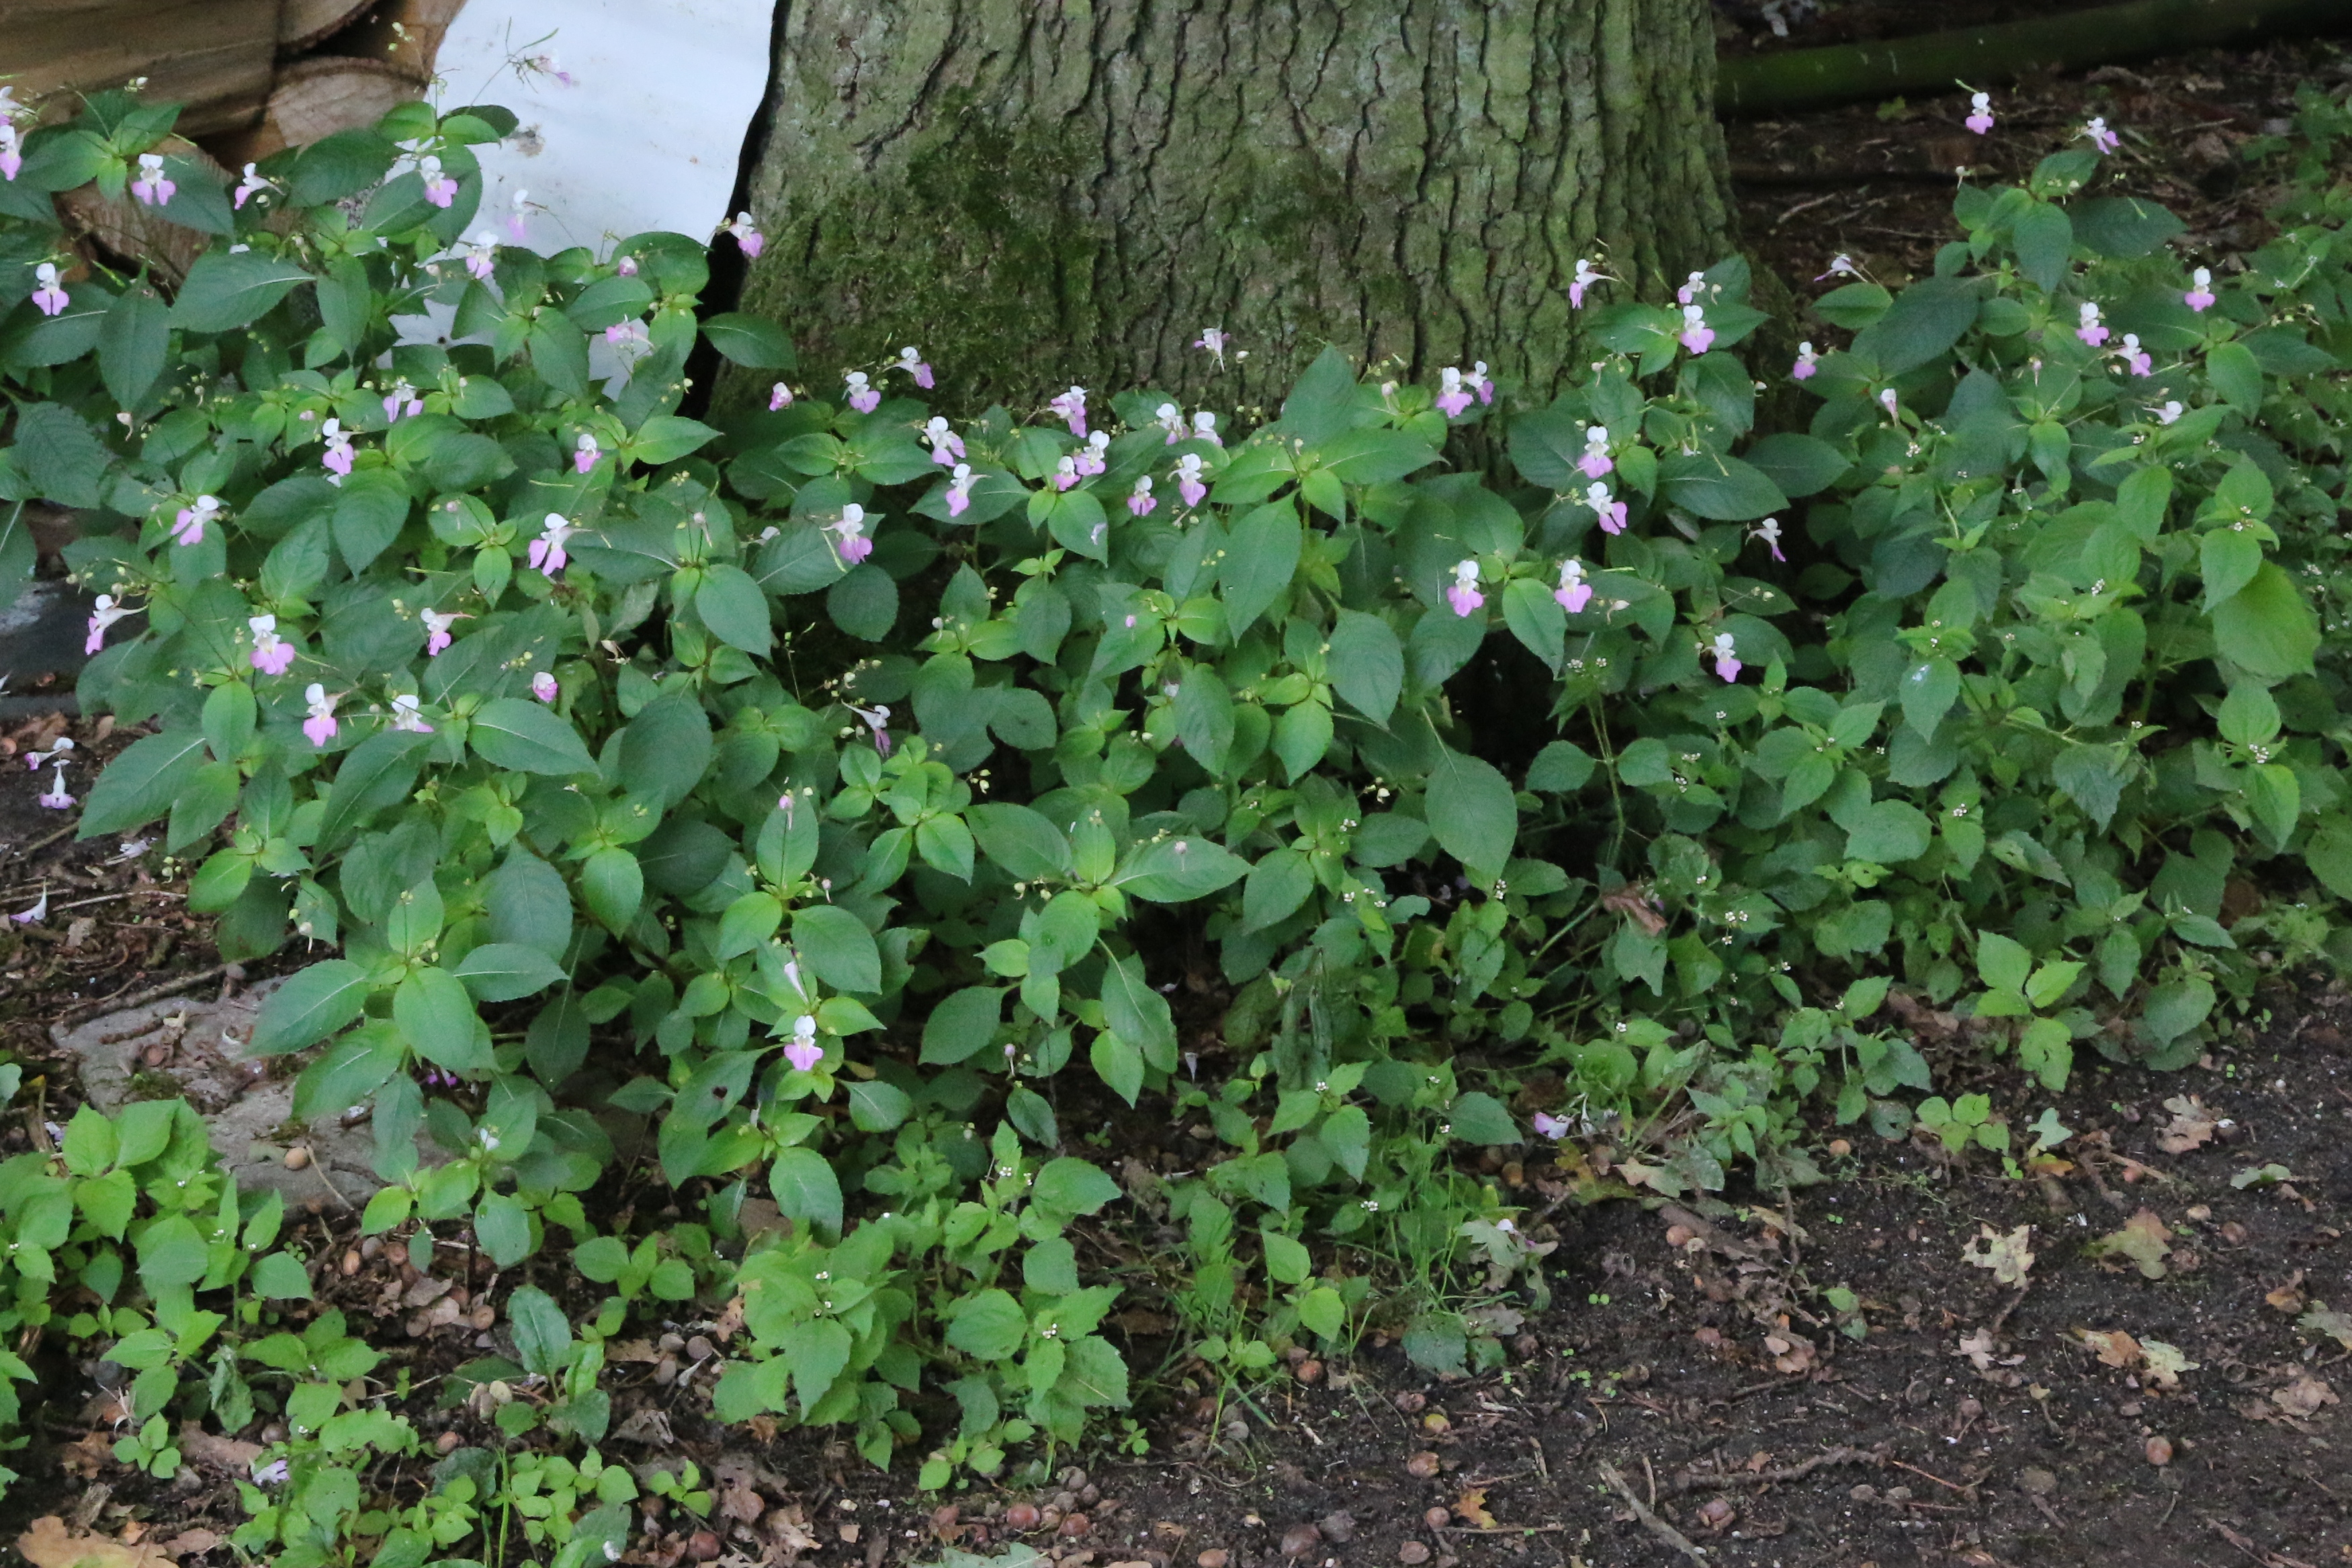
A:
(1036, 191)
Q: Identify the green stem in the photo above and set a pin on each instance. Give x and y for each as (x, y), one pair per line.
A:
(1935, 62)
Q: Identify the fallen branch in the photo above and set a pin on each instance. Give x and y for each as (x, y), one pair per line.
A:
(152, 993)
(1700, 1480)
(1656, 1526)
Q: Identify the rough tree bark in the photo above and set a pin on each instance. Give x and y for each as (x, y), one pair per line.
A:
(1037, 190)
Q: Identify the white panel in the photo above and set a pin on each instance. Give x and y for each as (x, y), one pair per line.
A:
(645, 135)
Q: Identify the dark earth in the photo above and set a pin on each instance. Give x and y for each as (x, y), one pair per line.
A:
(1841, 1376)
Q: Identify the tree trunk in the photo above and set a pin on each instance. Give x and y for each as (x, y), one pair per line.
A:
(1041, 191)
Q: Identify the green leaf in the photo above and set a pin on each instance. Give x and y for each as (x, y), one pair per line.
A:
(1118, 1062)
(311, 1004)
(1726, 489)
(504, 971)
(1072, 1186)
(962, 1025)
(612, 884)
(732, 606)
(282, 1277)
(139, 785)
(1173, 870)
(2329, 855)
(227, 290)
(1261, 556)
(1929, 689)
(58, 453)
(172, 1252)
(1562, 767)
(2237, 376)
(1278, 884)
(2227, 558)
(1020, 840)
(503, 1227)
(543, 1335)
(516, 734)
(805, 1189)
(1797, 465)
(1536, 618)
(2267, 628)
(2125, 227)
(1479, 1117)
(2044, 237)
(1926, 319)
(1472, 811)
(817, 1352)
(1367, 664)
(132, 345)
(666, 437)
(752, 342)
(436, 1017)
(877, 1107)
(2002, 963)
(837, 948)
(665, 748)
(1137, 1014)
(989, 1325)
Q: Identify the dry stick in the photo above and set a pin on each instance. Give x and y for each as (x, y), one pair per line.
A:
(1656, 1526)
(40, 844)
(1969, 1491)
(152, 992)
(1698, 1480)
(1499, 1529)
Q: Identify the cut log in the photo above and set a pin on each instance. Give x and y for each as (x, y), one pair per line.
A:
(131, 233)
(405, 34)
(306, 24)
(318, 97)
(214, 56)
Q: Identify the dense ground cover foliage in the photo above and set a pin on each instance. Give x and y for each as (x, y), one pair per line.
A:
(865, 797)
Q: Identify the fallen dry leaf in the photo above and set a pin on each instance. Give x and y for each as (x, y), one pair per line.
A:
(2165, 1362)
(2006, 1256)
(1470, 1508)
(2191, 1126)
(2306, 1395)
(49, 1544)
(1791, 1353)
(2287, 1298)
(2114, 1347)
(2321, 1319)
(1976, 1346)
(230, 1453)
(2145, 1239)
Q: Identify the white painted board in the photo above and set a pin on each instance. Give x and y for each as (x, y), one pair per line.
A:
(638, 126)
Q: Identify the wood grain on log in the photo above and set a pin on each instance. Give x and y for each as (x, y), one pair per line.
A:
(305, 24)
(318, 97)
(405, 34)
(214, 56)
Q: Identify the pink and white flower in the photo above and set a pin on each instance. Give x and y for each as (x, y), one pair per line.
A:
(188, 526)
(337, 457)
(251, 185)
(1452, 397)
(2199, 297)
(272, 654)
(1190, 487)
(153, 186)
(851, 540)
(746, 234)
(1610, 511)
(1696, 336)
(406, 716)
(1094, 456)
(519, 211)
(1213, 340)
(1066, 473)
(543, 686)
(1886, 401)
(625, 266)
(1841, 265)
(1573, 593)
(1726, 657)
(56, 799)
(910, 360)
(36, 760)
(1140, 500)
(12, 150)
(35, 915)
(2169, 414)
(803, 1052)
(108, 611)
(947, 446)
(1692, 287)
(402, 399)
(320, 725)
(1463, 596)
(1768, 531)
(47, 297)
(1808, 363)
(1070, 408)
(1171, 419)
(878, 719)
(780, 397)
(439, 188)
(1588, 274)
(547, 555)
(1204, 427)
(859, 391)
(2135, 359)
(482, 256)
(2090, 330)
(2104, 140)
(1552, 1127)
(1596, 460)
(960, 490)
(1979, 118)
(584, 453)
(437, 628)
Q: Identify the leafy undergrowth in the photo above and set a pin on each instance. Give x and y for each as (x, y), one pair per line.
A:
(876, 923)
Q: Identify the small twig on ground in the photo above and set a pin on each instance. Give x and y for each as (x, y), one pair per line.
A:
(1498, 1529)
(1767, 1387)
(40, 844)
(2003, 1316)
(1651, 1521)
(152, 993)
(1969, 1492)
(1698, 1480)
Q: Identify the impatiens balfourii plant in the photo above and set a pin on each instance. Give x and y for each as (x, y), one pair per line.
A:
(877, 800)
